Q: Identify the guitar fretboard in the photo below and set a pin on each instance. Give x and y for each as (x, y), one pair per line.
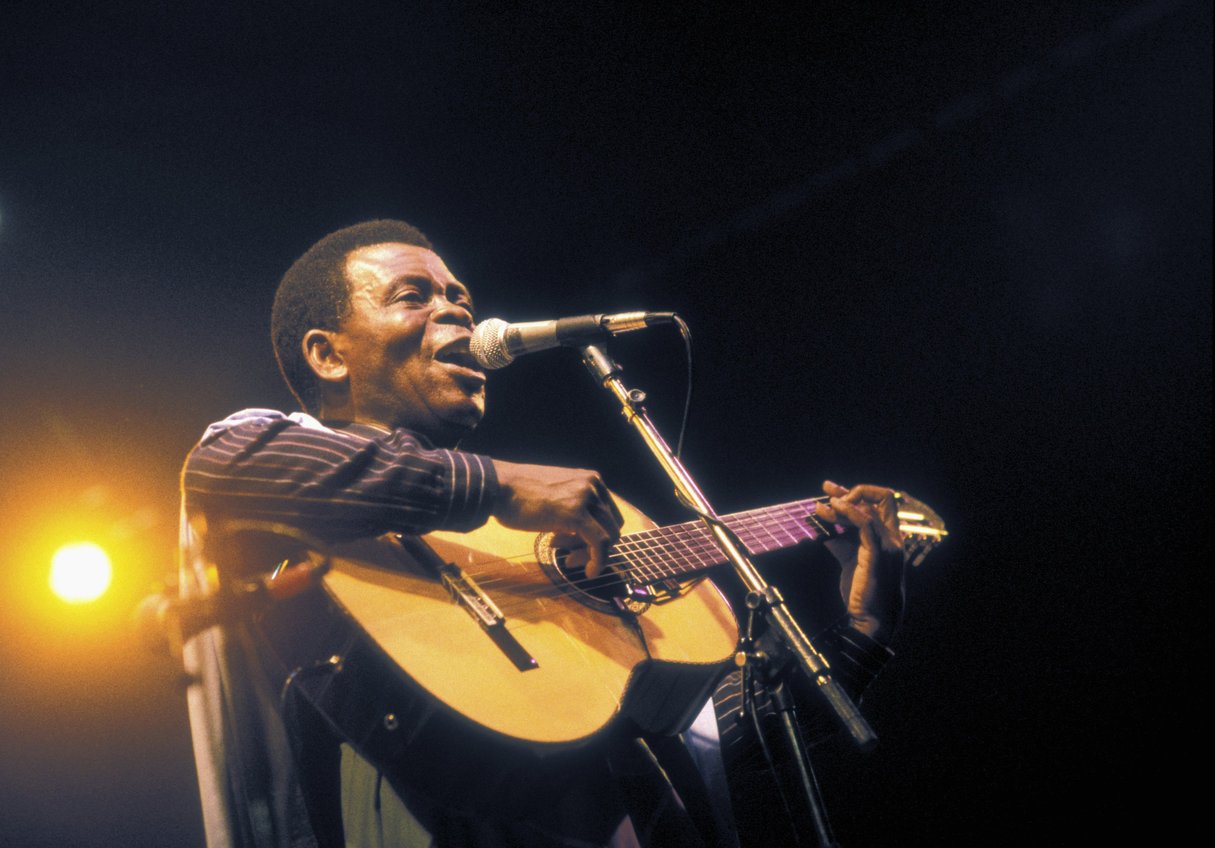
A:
(681, 550)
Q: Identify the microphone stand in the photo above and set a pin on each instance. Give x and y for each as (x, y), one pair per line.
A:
(762, 598)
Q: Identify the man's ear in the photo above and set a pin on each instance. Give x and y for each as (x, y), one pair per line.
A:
(323, 357)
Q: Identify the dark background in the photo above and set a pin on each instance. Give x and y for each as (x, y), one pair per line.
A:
(964, 251)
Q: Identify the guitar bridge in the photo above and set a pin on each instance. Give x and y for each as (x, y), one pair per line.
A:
(465, 592)
(665, 590)
(638, 598)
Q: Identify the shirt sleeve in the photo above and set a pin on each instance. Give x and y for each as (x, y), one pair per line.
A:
(263, 465)
(855, 659)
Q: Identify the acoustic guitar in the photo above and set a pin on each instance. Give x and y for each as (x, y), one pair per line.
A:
(496, 629)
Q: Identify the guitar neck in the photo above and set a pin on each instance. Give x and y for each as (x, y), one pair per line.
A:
(682, 550)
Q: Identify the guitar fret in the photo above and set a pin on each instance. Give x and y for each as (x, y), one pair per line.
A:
(632, 556)
(797, 521)
(758, 519)
(694, 539)
(815, 526)
(663, 550)
(691, 539)
(652, 567)
(658, 552)
(777, 541)
(753, 536)
(644, 563)
(655, 556)
(687, 548)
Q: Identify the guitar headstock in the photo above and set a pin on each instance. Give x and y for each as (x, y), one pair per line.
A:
(922, 528)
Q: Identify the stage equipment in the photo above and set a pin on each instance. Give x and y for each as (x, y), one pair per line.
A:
(496, 344)
(762, 599)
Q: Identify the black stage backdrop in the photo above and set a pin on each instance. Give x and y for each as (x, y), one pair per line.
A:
(961, 250)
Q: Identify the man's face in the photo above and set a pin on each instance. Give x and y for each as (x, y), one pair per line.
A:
(405, 340)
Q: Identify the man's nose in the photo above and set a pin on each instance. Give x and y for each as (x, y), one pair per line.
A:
(452, 313)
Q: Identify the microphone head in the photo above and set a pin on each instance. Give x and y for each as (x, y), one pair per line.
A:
(488, 344)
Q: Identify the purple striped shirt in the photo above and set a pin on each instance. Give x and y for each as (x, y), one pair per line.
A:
(337, 483)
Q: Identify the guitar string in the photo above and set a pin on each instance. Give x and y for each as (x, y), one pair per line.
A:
(678, 539)
(539, 585)
(660, 553)
(648, 554)
(667, 551)
(520, 602)
(690, 537)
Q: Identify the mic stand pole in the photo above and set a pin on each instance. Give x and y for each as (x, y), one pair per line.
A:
(770, 671)
(761, 596)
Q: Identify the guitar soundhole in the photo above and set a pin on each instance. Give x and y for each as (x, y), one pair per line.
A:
(566, 567)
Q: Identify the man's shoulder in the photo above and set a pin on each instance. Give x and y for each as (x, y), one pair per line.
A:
(256, 417)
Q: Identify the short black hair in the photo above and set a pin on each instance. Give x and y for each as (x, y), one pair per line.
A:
(315, 294)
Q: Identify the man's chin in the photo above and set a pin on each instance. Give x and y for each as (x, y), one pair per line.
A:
(462, 419)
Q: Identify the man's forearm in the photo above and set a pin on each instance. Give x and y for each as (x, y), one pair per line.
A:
(339, 485)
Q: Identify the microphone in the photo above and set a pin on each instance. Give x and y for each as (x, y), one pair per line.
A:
(496, 344)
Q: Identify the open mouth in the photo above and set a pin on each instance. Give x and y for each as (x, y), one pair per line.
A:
(458, 356)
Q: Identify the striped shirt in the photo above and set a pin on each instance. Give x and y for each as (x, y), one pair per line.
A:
(340, 482)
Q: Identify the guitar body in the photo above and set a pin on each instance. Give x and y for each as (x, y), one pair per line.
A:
(591, 666)
(412, 681)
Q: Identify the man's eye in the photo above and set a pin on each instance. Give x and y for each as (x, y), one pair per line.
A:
(410, 296)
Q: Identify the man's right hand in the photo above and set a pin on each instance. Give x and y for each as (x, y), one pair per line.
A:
(571, 501)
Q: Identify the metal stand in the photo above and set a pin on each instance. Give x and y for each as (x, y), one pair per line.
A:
(771, 672)
(762, 598)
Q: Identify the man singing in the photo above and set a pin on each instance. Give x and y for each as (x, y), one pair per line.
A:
(371, 331)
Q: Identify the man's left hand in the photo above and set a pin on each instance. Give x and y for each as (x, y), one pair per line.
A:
(871, 566)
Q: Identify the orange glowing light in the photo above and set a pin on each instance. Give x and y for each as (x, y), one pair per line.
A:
(80, 572)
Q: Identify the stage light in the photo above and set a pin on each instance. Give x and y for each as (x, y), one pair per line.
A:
(80, 572)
